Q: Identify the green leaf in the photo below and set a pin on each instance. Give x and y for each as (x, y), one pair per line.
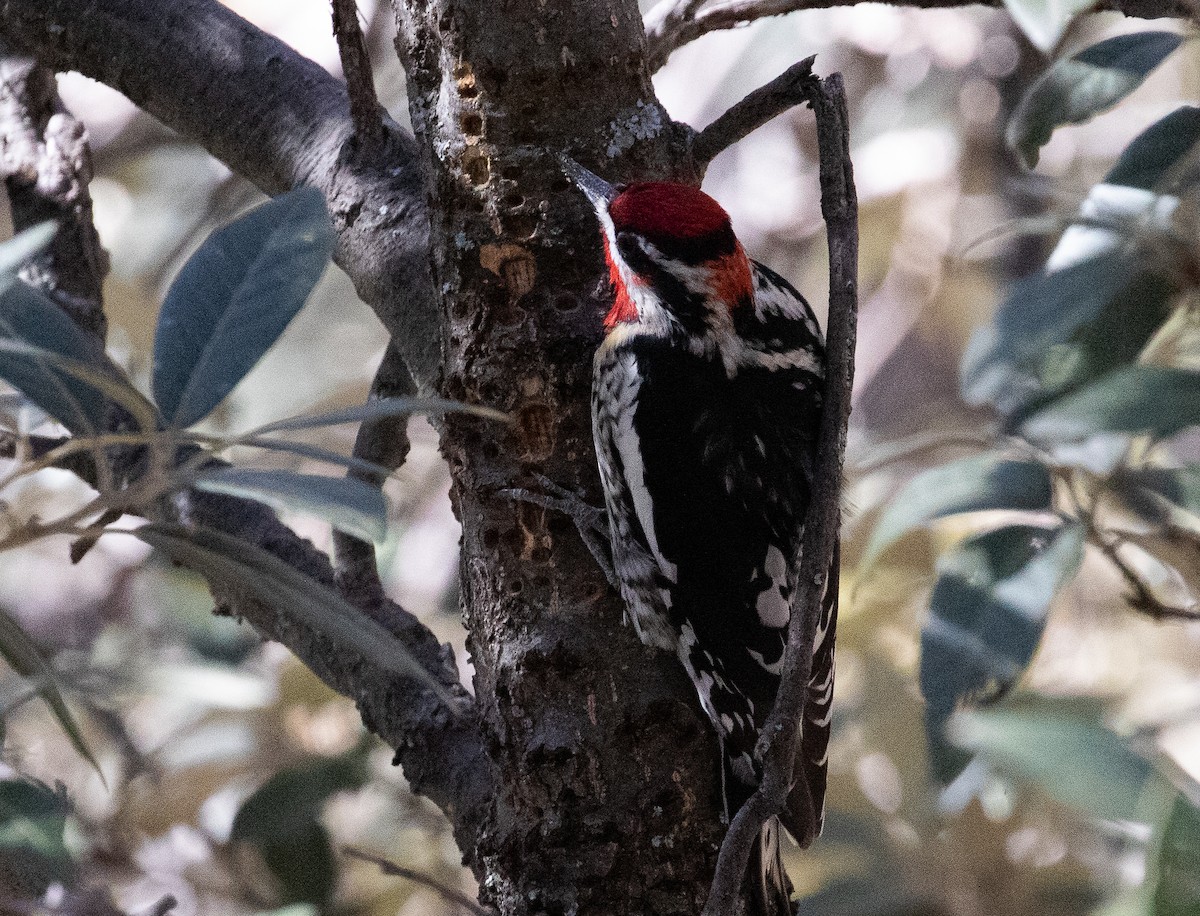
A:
(1180, 486)
(1044, 21)
(282, 820)
(348, 504)
(234, 298)
(18, 250)
(29, 317)
(24, 658)
(268, 579)
(973, 484)
(1137, 399)
(33, 854)
(374, 410)
(986, 618)
(38, 366)
(1177, 892)
(1061, 745)
(1078, 88)
(1056, 331)
(1154, 154)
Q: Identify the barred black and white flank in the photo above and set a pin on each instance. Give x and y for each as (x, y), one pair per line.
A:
(706, 402)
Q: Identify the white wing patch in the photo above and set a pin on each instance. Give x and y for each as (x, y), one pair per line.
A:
(773, 606)
(625, 438)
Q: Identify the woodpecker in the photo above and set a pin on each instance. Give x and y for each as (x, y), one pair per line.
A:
(706, 401)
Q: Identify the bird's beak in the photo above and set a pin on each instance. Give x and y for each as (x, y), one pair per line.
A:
(598, 191)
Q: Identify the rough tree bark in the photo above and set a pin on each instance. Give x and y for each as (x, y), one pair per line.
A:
(582, 780)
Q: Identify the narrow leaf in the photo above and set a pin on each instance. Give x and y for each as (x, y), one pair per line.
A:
(234, 298)
(1078, 88)
(23, 656)
(1055, 331)
(373, 410)
(1137, 399)
(1177, 892)
(973, 484)
(348, 504)
(316, 453)
(18, 250)
(268, 579)
(1044, 21)
(1063, 747)
(1180, 486)
(71, 391)
(986, 618)
(1155, 153)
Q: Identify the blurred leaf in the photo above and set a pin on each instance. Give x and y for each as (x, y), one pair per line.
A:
(1063, 746)
(1178, 890)
(18, 250)
(1044, 21)
(282, 819)
(27, 317)
(986, 618)
(1136, 399)
(348, 504)
(1078, 88)
(23, 656)
(1149, 158)
(1055, 331)
(270, 580)
(32, 852)
(384, 407)
(233, 299)
(1179, 486)
(972, 484)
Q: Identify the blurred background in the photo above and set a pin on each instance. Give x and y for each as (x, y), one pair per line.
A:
(198, 726)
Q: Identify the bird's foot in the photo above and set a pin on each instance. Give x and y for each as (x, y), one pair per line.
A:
(591, 521)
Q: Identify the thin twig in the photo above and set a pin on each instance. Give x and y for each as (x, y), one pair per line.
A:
(682, 21)
(752, 112)
(782, 729)
(1142, 597)
(356, 66)
(399, 871)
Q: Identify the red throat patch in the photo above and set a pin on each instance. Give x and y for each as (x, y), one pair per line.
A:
(623, 310)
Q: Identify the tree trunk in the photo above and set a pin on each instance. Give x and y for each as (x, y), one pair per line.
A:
(608, 795)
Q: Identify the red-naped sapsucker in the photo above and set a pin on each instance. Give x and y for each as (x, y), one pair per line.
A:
(706, 401)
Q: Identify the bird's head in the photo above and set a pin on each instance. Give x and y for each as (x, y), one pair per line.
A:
(674, 260)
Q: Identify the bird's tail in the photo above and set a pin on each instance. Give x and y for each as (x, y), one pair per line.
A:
(769, 891)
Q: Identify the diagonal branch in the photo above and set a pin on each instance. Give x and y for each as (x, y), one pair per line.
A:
(271, 115)
(671, 24)
(752, 112)
(356, 66)
(45, 159)
(782, 730)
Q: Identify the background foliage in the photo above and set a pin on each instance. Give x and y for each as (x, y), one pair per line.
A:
(1024, 493)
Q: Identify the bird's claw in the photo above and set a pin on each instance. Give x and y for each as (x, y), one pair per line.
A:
(591, 521)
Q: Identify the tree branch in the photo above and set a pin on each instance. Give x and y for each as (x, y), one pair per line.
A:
(272, 116)
(44, 154)
(671, 24)
(383, 441)
(356, 66)
(782, 730)
(46, 165)
(752, 112)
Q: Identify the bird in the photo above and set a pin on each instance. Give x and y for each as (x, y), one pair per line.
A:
(707, 394)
